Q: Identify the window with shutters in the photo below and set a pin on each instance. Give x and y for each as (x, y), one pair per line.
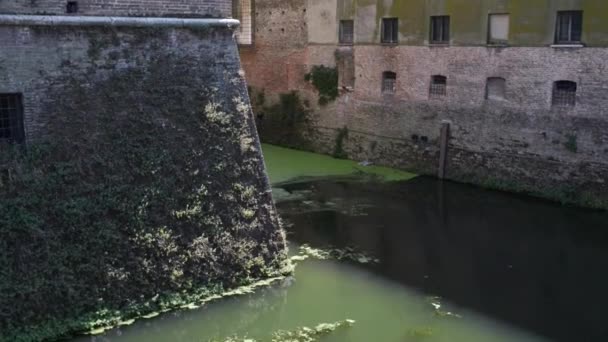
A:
(569, 27)
(11, 119)
(390, 30)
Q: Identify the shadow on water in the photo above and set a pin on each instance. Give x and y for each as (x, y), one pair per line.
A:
(533, 264)
(508, 267)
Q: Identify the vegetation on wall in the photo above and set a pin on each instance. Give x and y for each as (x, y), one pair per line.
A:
(122, 207)
(339, 147)
(325, 80)
(286, 122)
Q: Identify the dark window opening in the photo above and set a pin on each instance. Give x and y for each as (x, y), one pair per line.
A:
(5, 177)
(347, 29)
(438, 86)
(569, 27)
(440, 29)
(72, 7)
(389, 82)
(11, 119)
(564, 93)
(496, 88)
(390, 30)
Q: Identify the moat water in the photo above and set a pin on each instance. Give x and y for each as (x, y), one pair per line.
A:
(456, 263)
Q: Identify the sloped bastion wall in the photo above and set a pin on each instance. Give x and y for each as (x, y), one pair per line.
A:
(140, 181)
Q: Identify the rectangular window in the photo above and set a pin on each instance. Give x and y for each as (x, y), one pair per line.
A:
(5, 178)
(569, 27)
(389, 82)
(438, 86)
(11, 118)
(347, 29)
(390, 30)
(564, 94)
(440, 29)
(72, 7)
(498, 29)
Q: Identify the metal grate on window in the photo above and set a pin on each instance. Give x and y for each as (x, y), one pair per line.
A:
(564, 94)
(389, 82)
(11, 118)
(440, 29)
(390, 30)
(347, 29)
(72, 7)
(569, 27)
(438, 86)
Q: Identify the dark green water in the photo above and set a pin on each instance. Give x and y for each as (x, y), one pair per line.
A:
(507, 268)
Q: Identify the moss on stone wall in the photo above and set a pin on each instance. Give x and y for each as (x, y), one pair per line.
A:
(147, 183)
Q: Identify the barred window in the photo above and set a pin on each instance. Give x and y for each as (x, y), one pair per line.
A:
(72, 7)
(569, 27)
(390, 30)
(440, 29)
(347, 28)
(564, 94)
(438, 86)
(11, 118)
(389, 82)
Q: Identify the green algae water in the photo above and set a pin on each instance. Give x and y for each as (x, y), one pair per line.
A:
(285, 164)
(454, 263)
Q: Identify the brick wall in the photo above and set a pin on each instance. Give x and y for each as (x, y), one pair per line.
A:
(197, 8)
(520, 142)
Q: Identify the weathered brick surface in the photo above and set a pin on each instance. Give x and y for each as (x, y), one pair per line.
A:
(521, 140)
(190, 8)
(277, 60)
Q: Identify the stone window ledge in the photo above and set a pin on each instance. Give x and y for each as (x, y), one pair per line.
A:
(567, 46)
(497, 45)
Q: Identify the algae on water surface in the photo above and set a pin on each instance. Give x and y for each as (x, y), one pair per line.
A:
(284, 164)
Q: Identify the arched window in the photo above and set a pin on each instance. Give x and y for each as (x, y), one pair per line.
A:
(389, 82)
(495, 88)
(564, 94)
(438, 86)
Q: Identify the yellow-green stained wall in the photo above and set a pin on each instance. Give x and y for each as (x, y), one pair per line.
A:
(532, 22)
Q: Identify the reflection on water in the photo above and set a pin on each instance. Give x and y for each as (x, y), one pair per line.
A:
(512, 269)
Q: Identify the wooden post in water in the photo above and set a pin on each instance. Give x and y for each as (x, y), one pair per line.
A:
(443, 152)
